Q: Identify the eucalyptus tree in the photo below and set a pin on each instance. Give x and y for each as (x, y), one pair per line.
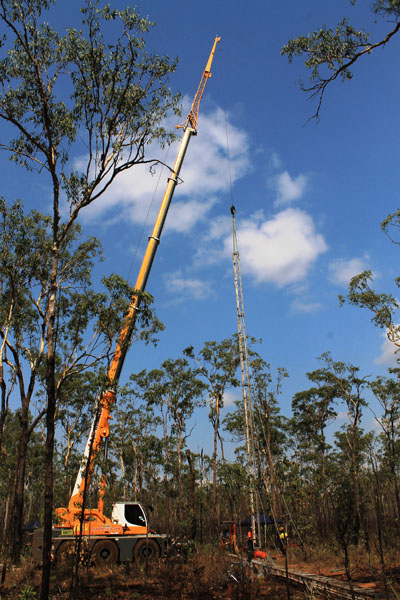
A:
(330, 54)
(94, 92)
(25, 265)
(136, 443)
(33, 481)
(313, 410)
(217, 363)
(149, 388)
(176, 388)
(25, 258)
(387, 391)
(269, 425)
(349, 387)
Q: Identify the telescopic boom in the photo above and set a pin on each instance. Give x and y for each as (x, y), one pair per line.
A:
(100, 426)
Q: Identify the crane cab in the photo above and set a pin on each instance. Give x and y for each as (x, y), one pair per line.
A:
(130, 515)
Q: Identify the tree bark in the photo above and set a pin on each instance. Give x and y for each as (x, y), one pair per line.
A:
(50, 420)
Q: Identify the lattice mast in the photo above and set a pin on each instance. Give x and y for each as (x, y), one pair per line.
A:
(245, 375)
(193, 115)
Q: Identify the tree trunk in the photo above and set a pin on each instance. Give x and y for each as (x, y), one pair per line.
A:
(179, 457)
(274, 494)
(50, 424)
(215, 451)
(18, 494)
(192, 495)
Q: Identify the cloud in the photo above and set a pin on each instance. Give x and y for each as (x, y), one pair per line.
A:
(230, 398)
(184, 215)
(303, 306)
(388, 356)
(279, 250)
(342, 270)
(136, 194)
(289, 188)
(185, 287)
(275, 161)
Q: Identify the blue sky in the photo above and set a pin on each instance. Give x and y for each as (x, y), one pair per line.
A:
(309, 197)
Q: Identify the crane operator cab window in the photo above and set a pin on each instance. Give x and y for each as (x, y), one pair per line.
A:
(134, 514)
(129, 514)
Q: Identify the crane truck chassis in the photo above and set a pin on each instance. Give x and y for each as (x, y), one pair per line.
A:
(107, 549)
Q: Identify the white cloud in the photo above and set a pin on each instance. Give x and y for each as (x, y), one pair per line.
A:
(230, 397)
(218, 228)
(279, 250)
(342, 270)
(372, 425)
(387, 356)
(341, 416)
(289, 188)
(184, 215)
(205, 172)
(184, 287)
(275, 161)
(303, 306)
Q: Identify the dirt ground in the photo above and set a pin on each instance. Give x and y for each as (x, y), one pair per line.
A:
(208, 575)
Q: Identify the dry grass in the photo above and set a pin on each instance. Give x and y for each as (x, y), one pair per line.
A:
(204, 576)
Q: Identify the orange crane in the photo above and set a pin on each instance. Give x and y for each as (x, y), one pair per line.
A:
(126, 534)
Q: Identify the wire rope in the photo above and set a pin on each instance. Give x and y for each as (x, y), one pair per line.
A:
(227, 140)
(148, 214)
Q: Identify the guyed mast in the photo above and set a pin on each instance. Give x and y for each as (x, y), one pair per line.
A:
(245, 375)
(100, 426)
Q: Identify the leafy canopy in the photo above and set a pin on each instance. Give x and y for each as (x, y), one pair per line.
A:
(330, 53)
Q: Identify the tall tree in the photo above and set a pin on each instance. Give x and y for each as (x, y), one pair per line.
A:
(387, 391)
(217, 363)
(383, 306)
(100, 84)
(313, 410)
(177, 388)
(269, 426)
(349, 387)
(136, 444)
(25, 264)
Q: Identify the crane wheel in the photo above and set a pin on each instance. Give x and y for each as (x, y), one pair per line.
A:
(146, 550)
(65, 552)
(105, 553)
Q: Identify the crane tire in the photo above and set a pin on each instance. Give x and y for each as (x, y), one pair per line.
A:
(105, 553)
(65, 551)
(146, 550)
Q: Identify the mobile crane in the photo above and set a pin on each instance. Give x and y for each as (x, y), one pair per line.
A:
(126, 535)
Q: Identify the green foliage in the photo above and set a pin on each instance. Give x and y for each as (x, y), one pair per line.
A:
(98, 81)
(217, 363)
(27, 593)
(328, 48)
(330, 53)
(382, 306)
(387, 8)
